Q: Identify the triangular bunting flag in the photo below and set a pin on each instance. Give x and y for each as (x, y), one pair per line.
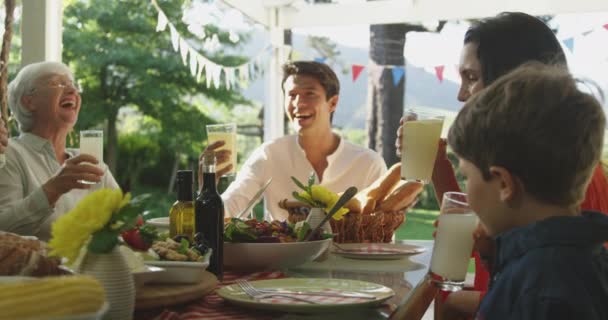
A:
(193, 62)
(606, 26)
(398, 73)
(162, 22)
(201, 67)
(569, 43)
(320, 59)
(174, 38)
(183, 50)
(439, 72)
(356, 69)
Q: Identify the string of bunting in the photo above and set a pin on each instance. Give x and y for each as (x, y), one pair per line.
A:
(398, 72)
(200, 65)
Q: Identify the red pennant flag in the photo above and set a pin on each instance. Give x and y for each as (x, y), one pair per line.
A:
(439, 72)
(606, 26)
(356, 69)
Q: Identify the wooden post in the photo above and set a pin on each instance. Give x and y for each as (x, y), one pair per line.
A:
(4, 56)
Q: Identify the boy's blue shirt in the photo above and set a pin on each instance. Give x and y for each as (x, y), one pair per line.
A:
(553, 269)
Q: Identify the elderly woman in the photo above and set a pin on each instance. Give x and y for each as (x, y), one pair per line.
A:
(42, 179)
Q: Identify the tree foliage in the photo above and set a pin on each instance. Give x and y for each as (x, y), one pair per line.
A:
(121, 61)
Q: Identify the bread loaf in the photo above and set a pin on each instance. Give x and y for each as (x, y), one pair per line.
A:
(21, 256)
(402, 196)
(377, 191)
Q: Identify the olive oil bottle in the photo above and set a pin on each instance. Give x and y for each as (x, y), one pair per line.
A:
(181, 214)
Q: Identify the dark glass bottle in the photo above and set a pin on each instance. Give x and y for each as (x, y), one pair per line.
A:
(181, 215)
(209, 215)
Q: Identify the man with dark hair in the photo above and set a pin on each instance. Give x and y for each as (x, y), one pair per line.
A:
(526, 176)
(311, 92)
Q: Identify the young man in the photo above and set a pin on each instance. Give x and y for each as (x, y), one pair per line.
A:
(528, 145)
(311, 92)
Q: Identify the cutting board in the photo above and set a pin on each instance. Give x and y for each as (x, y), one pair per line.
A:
(162, 295)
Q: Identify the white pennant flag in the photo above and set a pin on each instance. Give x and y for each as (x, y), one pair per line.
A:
(174, 38)
(209, 73)
(217, 75)
(201, 65)
(162, 22)
(230, 77)
(193, 62)
(244, 72)
(183, 50)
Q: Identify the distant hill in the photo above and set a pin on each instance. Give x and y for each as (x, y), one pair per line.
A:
(422, 88)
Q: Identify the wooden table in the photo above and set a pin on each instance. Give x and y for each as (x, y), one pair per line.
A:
(401, 275)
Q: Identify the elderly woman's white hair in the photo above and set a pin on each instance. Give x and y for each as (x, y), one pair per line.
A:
(23, 84)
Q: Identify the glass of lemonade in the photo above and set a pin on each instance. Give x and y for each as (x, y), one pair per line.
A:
(453, 242)
(420, 143)
(91, 142)
(227, 133)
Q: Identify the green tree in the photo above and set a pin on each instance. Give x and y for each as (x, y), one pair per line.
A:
(122, 61)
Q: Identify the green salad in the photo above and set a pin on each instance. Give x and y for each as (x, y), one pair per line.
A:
(238, 230)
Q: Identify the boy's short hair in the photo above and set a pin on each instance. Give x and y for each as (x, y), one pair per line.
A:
(537, 124)
(320, 71)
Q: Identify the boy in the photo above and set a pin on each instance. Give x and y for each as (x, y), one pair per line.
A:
(526, 177)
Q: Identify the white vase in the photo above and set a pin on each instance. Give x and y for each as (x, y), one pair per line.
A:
(315, 216)
(112, 271)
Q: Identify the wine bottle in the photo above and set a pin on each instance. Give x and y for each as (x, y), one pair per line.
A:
(209, 215)
(181, 214)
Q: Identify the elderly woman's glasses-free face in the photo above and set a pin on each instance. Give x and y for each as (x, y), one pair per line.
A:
(61, 85)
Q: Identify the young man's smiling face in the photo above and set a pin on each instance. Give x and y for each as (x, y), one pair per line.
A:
(306, 103)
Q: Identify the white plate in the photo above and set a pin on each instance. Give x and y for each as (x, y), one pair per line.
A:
(161, 224)
(179, 271)
(377, 251)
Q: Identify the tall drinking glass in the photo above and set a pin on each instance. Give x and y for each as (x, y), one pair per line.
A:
(91, 142)
(453, 242)
(227, 133)
(420, 143)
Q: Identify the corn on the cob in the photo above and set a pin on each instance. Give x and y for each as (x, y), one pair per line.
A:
(50, 297)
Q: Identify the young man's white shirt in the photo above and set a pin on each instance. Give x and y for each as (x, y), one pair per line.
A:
(349, 165)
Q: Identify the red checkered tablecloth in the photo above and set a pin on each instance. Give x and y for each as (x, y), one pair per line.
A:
(212, 307)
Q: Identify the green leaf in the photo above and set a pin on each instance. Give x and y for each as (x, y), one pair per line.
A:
(302, 199)
(299, 184)
(183, 246)
(103, 241)
(311, 181)
(303, 231)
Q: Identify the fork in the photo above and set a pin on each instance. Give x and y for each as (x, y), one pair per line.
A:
(258, 295)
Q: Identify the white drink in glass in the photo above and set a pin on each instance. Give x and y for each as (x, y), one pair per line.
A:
(453, 245)
(91, 142)
(226, 133)
(420, 140)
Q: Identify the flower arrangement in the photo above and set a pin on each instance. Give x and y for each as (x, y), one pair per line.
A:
(318, 196)
(95, 222)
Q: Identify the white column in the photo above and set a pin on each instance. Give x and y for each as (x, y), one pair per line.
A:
(41, 31)
(273, 109)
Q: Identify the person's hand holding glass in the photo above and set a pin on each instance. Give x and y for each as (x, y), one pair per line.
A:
(453, 242)
(222, 140)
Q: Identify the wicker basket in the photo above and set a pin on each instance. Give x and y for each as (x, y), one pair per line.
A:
(354, 227)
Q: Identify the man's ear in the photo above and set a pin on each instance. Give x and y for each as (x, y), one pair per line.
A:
(333, 103)
(507, 183)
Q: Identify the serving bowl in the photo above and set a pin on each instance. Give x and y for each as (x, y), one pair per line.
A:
(179, 272)
(260, 256)
(161, 224)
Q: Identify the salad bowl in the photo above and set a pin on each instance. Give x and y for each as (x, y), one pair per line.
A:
(280, 255)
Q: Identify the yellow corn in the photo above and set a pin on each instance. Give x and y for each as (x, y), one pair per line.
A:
(50, 297)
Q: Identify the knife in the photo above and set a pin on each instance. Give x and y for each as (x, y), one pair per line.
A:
(255, 199)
